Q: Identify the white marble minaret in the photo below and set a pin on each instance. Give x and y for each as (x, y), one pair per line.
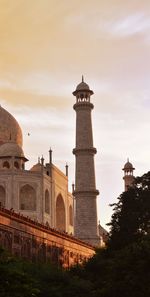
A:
(85, 188)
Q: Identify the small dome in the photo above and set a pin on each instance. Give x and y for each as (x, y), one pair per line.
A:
(82, 87)
(128, 166)
(11, 149)
(9, 128)
(36, 167)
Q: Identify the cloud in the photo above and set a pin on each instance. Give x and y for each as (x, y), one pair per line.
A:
(104, 23)
(25, 98)
(129, 25)
(42, 83)
(5, 84)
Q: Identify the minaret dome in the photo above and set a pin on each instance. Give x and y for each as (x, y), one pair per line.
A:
(83, 92)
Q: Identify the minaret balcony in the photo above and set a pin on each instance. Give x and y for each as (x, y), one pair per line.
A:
(83, 105)
(84, 151)
(89, 192)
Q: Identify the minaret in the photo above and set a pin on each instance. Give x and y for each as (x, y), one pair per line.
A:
(128, 175)
(86, 226)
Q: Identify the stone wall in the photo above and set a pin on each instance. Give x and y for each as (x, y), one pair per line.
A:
(33, 241)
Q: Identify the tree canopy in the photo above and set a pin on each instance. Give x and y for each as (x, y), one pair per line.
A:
(131, 218)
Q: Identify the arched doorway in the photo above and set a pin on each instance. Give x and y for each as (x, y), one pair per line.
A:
(7, 242)
(27, 198)
(2, 196)
(60, 214)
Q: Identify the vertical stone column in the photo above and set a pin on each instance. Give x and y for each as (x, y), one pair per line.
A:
(85, 188)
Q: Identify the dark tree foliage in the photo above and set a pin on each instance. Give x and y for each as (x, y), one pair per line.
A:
(122, 273)
(15, 280)
(131, 218)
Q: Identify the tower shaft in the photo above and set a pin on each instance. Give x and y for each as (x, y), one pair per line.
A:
(84, 151)
(128, 181)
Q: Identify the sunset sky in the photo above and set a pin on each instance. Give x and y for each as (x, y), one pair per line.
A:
(45, 47)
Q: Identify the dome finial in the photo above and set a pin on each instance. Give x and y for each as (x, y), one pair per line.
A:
(127, 159)
(82, 78)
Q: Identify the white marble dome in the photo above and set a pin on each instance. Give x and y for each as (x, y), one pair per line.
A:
(10, 130)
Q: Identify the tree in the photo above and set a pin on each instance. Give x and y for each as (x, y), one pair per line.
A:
(130, 221)
(119, 273)
(15, 279)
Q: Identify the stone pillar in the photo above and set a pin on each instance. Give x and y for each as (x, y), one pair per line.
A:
(85, 188)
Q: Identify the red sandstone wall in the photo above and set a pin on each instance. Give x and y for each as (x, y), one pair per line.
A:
(36, 242)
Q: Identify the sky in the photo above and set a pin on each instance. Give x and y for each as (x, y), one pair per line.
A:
(45, 48)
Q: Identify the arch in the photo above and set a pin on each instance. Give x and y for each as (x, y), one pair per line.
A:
(6, 165)
(60, 213)
(42, 252)
(47, 202)
(27, 198)
(16, 165)
(26, 248)
(7, 243)
(2, 196)
(70, 215)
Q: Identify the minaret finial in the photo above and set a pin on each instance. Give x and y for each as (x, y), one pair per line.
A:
(66, 169)
(82, 78)
(42, 160)
(50, 156)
